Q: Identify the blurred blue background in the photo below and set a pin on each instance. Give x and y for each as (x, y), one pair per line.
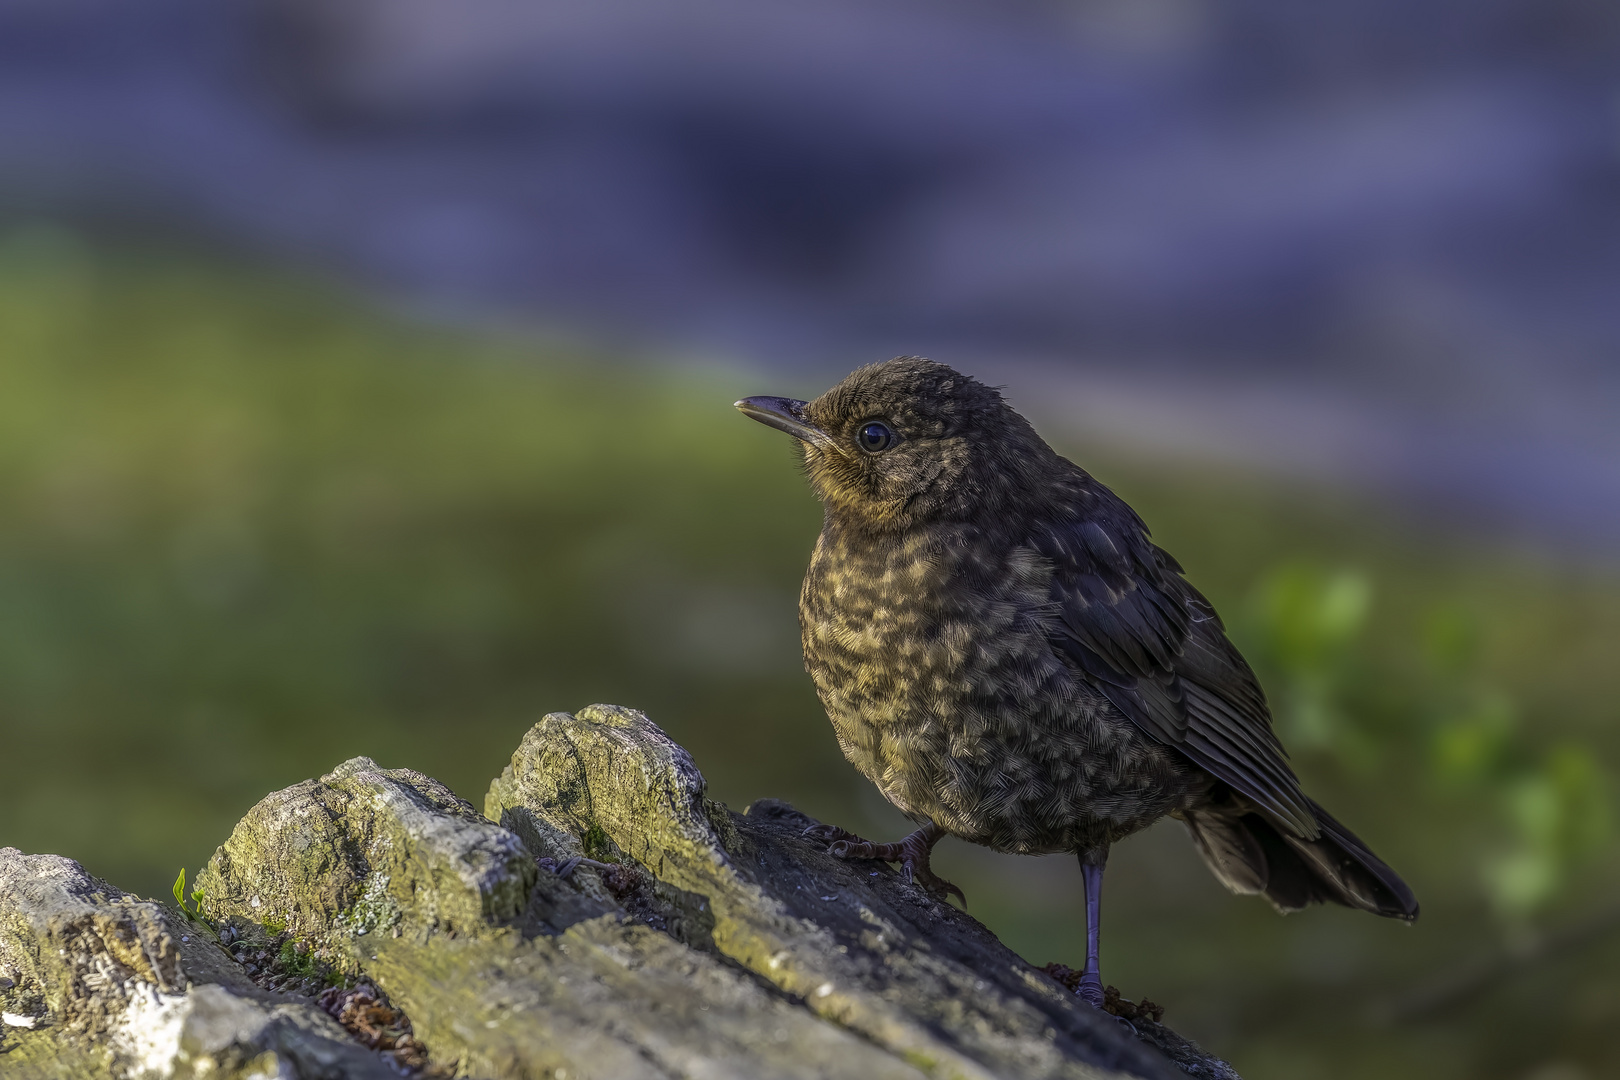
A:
(365, 370)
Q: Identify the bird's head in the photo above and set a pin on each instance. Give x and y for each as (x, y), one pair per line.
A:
(908, 441)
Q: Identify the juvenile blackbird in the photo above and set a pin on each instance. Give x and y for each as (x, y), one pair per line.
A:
(1008, 657)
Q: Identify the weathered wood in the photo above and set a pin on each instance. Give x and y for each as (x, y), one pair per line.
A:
(109, 984)
(691, 941)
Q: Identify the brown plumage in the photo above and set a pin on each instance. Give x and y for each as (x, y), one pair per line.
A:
(1008, 657)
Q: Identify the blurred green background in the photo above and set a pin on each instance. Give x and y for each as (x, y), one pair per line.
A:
(251, 525)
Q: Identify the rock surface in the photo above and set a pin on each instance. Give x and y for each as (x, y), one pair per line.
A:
(94, 982)
(602, 918)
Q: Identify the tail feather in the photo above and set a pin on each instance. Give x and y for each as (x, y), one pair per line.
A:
(1250, 854)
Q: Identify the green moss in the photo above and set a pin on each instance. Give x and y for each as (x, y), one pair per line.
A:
(920, 1060)
(597, 844)
(301, 961)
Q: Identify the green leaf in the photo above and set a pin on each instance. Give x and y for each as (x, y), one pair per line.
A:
(180, 889)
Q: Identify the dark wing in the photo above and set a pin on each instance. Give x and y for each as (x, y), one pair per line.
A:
(1155, 647)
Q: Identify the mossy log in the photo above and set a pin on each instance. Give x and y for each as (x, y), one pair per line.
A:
(601, 918)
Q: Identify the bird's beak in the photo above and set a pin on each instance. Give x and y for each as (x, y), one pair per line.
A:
(785, 414)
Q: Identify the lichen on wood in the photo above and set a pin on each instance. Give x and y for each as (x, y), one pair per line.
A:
(602, 918)
(113, 985)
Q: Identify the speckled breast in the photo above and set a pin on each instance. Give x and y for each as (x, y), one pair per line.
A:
(930, 656)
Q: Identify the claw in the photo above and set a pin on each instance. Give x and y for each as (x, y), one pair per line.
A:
(856, 848)
(829, 833)
(935, 884)
(911, 853)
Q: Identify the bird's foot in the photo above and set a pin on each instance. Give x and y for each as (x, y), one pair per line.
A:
(1127, 1010)
(1091, 991)
(911, 853)
(1088, 986)
(829, 833)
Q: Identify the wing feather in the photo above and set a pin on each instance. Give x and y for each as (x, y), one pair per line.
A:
(1133, 627)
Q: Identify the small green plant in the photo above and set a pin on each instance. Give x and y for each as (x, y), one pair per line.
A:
(301, 963)
(197, 897)
(596, 843)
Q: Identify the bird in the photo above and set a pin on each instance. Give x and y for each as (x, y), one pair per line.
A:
(1007, 655)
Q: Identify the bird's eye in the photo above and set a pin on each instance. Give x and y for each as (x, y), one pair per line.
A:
(875, 438)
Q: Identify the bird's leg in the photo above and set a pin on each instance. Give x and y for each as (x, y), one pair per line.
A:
(911, 853)
(1092, 862)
